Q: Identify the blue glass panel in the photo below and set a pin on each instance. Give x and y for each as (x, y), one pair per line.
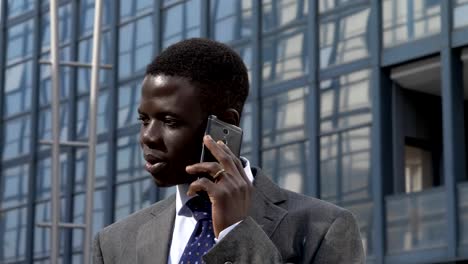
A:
(85, 49)
(283, 117)
(344, 37)
(416, 221)
(130, 162)
(13, 235)
(280, 13)
(329, 5)
(408, 20)
(42, 235)
(329, 168)
(363, 211)
(287, 166)
(463, 213)
(134, 8)
(18, 86)
(14, 186)
(45, 85)
(87, 15)
(246, 54)
(18, 7)
(44, 177)
(101, 169)
(103, 113)
(247, 127)
(99, 209)
(181, 22)
(65, 27)
(17, 137)
(136, 46)
(285, 56)
(460, 19)
(20, 41)
(45, 125)
(129, 99)
(131, 197)
(232, 20)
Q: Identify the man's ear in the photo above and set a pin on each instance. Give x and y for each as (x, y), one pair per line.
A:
(231, 116)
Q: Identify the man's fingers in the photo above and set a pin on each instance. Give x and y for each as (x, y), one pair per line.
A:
(221, 156)
(202, 184)
(205, 167)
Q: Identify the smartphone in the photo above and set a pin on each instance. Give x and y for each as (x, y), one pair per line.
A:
(231, 135)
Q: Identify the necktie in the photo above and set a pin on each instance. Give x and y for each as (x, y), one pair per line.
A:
(202, 239)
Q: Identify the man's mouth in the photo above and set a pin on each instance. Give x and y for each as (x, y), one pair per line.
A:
(153, 164)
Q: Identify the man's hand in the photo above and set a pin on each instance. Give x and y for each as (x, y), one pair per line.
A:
(230, 191)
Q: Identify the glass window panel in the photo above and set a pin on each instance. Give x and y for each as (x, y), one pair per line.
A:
(345, 101)
(130, 162)
(14, 186)
(136, 46)
(45, 85)
(13, 235)
(79, 203)
(17, 7)
(460, 19)
(232, 20)
(287, 166)
(285, 56)
(103, 115)
(85, 50)
(463, 213)
(44, 177)
(18, 87)
(407, 20)
(180, 22)
(129, 99)
(87, 15)
(247, 128)
(416, 221)
(246, 54)
(41, 234)
(101, 169)
(343, 37)
(20, 41)
(279, 13)
(329, 5)
(65, 27)
(44, 129)
(17, 137)
(363, 211)
(134, 8)
(329, 168)
(283, 117)
(132, 197)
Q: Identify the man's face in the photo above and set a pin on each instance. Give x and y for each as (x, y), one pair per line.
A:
(172, 126)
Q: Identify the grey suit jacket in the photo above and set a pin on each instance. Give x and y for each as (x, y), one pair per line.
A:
(282, 227)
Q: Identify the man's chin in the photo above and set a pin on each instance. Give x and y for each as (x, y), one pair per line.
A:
(168, 181)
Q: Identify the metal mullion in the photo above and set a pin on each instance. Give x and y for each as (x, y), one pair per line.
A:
(165, 7)
(291, 26)
(340, 69)
(133, 19)
(18, 19)
(256, 82)
(283, 86)
(205, 19)
(19, 61)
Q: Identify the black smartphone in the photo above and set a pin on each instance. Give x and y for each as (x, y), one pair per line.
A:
(231, 135)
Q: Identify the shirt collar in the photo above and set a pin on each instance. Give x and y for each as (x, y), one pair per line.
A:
(181, 193)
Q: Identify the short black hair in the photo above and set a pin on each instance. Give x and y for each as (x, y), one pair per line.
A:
(215, 68)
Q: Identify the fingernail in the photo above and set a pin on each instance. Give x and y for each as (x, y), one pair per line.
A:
(208, 137)
(220, 142)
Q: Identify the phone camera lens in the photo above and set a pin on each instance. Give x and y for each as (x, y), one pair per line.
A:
(225, 131)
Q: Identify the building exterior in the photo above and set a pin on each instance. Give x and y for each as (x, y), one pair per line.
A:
(358, 102)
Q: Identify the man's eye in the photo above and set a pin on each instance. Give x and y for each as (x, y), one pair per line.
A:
(143, 120)
(172, 123)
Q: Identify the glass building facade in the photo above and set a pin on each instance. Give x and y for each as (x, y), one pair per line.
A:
(362, 103)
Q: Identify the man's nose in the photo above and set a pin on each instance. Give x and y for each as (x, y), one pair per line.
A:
(151, 134)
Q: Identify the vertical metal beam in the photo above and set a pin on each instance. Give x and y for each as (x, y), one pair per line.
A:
(54, 69)
(381, 158)
(92, 141)
(3, 20)
(205, 19)
(256, 82)
(452, 126)
(312, 177)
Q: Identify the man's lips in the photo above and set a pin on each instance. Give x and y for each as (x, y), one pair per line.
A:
(153, 164)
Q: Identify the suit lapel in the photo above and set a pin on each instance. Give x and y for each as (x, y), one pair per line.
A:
(266, 198)
(154, 237)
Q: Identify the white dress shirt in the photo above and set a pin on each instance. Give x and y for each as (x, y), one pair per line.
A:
(184, 224)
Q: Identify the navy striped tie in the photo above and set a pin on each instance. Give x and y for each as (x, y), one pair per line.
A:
(202, 239)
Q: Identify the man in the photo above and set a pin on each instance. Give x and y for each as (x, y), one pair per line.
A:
(248, 219)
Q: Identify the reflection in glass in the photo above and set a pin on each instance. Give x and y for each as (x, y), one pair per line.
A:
(101, 169)
(287, 165)
(463, 214)
(43, 177)
(363, 211)
(343, 37)
(44, 129)
(283, 117)
(280, 13)
(407, 20)
(247, 128)
(285, 56)
(136, 46)
(79, 203)
(134, 8)
(87, 15)
(42, 213)
(131, 197)
(64, 23)
(13, 235)
(19, 41)
(329, 5)
(14, 186)
(103, 115)
(345, 101)
(180, 22)
(246, 54)
(231, 20)
(416, 221)
(17, 139)
(129, 99)
(45, 85)
(17, 7)
(17, 89)
(130, 162)
(329, 168)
